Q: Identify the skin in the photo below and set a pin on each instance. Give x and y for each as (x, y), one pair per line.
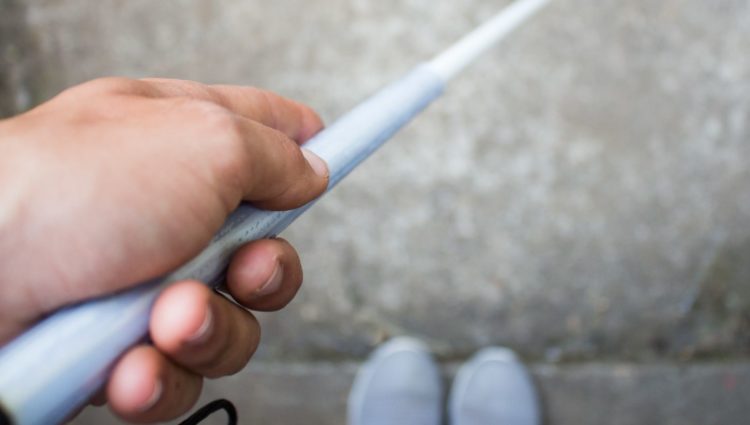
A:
(116, 181)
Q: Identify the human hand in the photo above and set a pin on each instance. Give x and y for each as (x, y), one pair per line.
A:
(117, 181)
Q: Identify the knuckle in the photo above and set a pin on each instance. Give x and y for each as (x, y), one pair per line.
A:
(215, 124)
(230, 135)
(180, 88)
(216, 121)
(219, 137)
(111, 85)
(229, 152)
(99, 99)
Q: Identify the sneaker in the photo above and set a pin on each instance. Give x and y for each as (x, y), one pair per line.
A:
(493, 388)
(399, 384)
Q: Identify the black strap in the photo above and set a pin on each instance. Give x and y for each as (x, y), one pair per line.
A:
(211, 408)
(4, 419)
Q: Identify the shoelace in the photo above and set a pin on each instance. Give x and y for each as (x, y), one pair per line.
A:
(211, 408)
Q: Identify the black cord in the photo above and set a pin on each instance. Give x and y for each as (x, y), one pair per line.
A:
(211, 408)
(4, 419)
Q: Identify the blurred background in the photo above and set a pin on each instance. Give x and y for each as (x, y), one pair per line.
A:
(579, 195)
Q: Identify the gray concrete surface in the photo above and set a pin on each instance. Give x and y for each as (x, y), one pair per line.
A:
(585, 394)
(580, 194)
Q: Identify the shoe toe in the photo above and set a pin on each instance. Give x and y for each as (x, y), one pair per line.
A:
(494, 388)
(399, 384)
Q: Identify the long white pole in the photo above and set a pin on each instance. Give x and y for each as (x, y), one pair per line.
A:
(457, 57)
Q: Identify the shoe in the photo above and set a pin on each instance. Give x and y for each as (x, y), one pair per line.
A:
(493, 388)
(400, 384)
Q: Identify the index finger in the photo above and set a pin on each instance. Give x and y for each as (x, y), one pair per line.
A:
(296, 120)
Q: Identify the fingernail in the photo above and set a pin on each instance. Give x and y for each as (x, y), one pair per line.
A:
(273, 283)
(154, 398)
(204, 331)
(316, 162)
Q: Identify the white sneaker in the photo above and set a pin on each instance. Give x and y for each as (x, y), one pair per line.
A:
(400, 384)
(493, 388)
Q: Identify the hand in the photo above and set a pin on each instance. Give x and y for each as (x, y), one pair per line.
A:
(117, 181)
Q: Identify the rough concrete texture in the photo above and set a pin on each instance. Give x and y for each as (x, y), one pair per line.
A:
(591, 394)
(22, 70)
(581, 193)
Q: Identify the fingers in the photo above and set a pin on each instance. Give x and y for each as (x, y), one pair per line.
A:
(265, 275)
(241, 158)
(278, 175)
(198, 333)
(146, 387)
(202, 331)
(297, 121)
(242, 140)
